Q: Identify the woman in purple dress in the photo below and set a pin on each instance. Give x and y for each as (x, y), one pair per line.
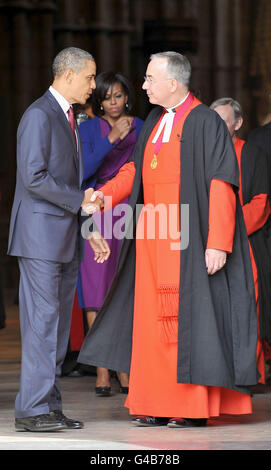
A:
(108, 141)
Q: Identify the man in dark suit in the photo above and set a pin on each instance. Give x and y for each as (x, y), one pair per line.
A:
(44, 235)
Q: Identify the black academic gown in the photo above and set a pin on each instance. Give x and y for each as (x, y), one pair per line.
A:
(255, 181)
(261, 137)
(217, 321)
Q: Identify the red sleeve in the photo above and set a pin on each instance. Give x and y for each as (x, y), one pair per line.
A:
(222, 207)
(256, 212)
(119, 187)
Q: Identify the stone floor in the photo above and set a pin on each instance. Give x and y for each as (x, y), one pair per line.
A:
(107, 422)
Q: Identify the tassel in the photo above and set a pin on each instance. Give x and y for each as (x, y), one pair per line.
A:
(168, 301)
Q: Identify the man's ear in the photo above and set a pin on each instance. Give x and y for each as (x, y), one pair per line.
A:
(68, 75)
(238, 124)
(174, 85)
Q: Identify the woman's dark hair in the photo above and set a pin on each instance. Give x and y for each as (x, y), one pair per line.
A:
(104, 81)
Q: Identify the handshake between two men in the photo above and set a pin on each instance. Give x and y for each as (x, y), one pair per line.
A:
(93, 202)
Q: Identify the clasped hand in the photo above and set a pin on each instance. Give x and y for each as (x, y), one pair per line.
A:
(215, 260)
(94, 202)
(120, 129)
(100, 247)
(90, 204)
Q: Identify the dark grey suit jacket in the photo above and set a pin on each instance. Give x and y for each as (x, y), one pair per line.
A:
(44, 218)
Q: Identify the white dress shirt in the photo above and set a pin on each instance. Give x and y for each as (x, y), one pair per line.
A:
(64, 104)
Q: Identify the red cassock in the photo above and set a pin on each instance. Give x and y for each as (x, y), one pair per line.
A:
(153, 387)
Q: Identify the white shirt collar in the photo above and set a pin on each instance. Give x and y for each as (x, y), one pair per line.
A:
(63, 103)
(167, 123)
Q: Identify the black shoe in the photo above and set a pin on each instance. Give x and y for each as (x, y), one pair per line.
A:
(75, 373)
(103, 391)
(122, 388)
(68, 423)
(187, 423)
(149, 421)
(39, 423)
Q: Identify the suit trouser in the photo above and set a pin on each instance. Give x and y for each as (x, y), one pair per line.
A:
(46, 300)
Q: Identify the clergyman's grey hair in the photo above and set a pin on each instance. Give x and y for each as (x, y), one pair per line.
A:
(178, 66)
(237, 109)
(70, 58)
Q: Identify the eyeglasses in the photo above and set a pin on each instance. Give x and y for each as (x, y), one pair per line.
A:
(151, 81)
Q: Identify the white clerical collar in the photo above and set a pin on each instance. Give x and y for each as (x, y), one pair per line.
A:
(172, 110)
(167, 122)
(63, 103)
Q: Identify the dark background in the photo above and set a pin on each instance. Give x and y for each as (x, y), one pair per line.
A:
(227, 41)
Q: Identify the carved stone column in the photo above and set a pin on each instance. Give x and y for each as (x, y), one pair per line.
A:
(42, 36)
(227, 41)
(102, 35)
(120, 36)
(201, 56)
(71, 24)
(259, 61)
(26, 42)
